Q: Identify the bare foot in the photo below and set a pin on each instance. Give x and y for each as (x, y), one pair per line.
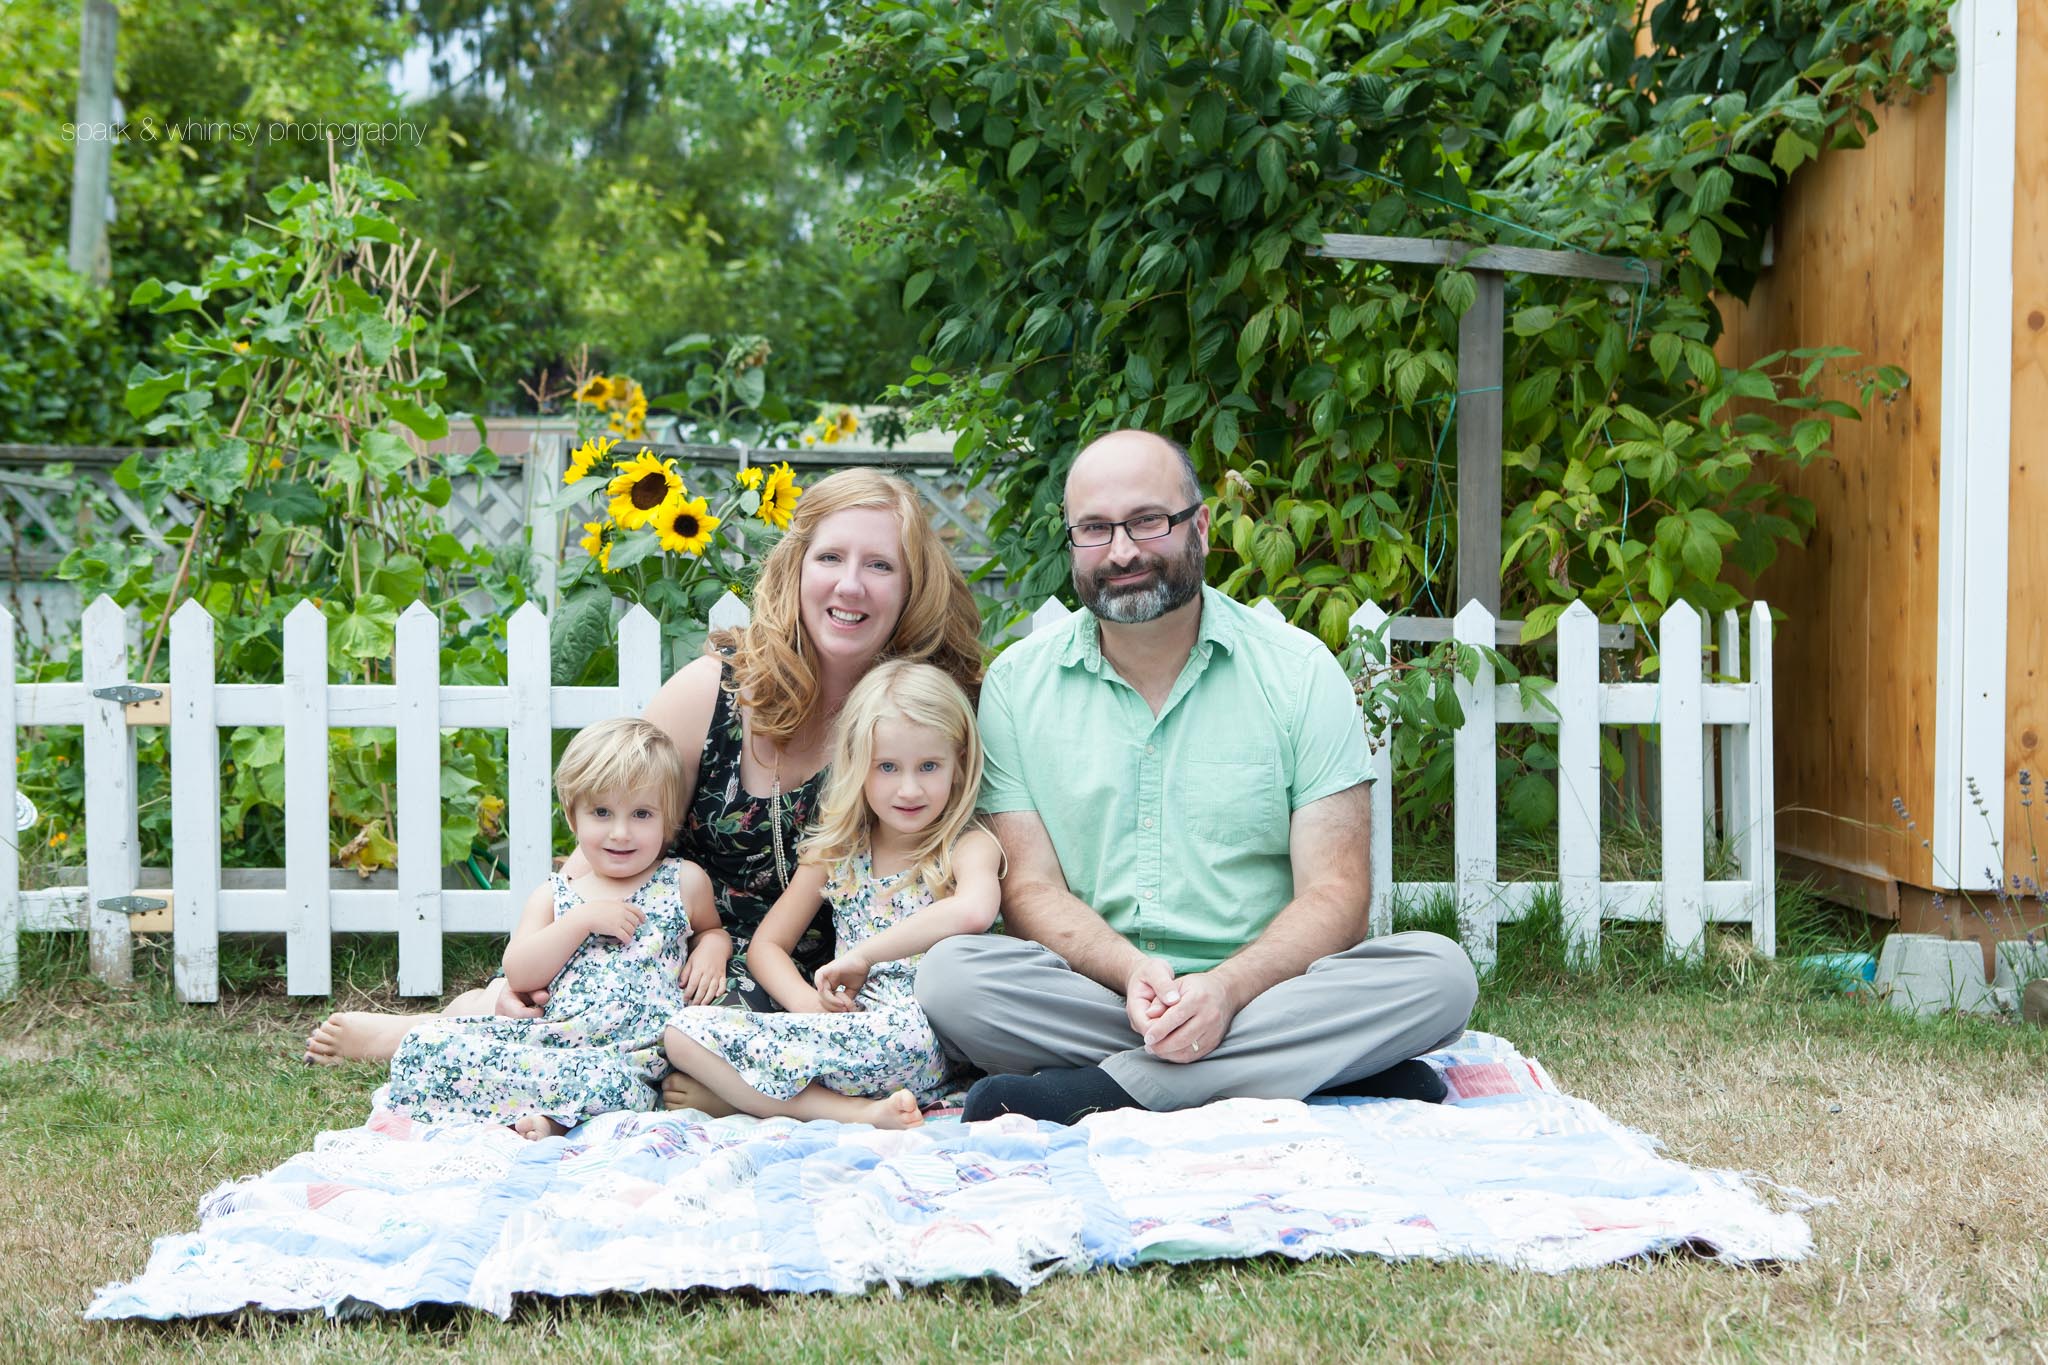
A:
(534, 1127)
(358, 1036)
(687, 1092)
(896, 1111)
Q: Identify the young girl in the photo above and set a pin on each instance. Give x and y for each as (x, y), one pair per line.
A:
(608, 946)
(896, 853)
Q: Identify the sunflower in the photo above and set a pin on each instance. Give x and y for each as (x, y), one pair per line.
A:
(684, 525)
(596, 390)
(638, 490)
(778, 496)
(750, 477)
(847, 423)
(584, 456)
(598, 543)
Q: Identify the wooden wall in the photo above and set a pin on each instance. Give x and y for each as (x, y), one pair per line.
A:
(1858, 251)
(2026, 656)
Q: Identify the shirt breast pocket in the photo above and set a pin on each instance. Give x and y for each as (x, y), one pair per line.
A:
(1235, 797)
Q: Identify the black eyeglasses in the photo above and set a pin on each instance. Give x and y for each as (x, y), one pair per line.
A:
(1088, 535)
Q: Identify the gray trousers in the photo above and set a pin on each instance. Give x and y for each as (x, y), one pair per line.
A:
(1011, 1006)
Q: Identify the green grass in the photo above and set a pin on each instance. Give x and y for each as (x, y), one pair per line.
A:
(119, 1110)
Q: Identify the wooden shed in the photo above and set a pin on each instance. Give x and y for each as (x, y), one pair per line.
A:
(1912, 648)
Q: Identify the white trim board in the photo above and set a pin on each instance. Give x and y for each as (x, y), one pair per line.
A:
(1976, 443)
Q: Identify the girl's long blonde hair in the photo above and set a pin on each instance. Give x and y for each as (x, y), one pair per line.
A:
(772, 667)
(921, 695)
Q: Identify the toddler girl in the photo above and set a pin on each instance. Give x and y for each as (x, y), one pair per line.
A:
(897, 854)
(608, 946)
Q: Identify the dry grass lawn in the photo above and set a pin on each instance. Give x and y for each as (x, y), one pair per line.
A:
(116, 1114)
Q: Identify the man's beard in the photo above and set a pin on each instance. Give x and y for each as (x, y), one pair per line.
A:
(1175, 582)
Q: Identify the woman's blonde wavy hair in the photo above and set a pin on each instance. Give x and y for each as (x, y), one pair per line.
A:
(772, 667)
(921, 695)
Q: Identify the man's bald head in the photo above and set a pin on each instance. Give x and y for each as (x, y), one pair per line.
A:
(1131, 454)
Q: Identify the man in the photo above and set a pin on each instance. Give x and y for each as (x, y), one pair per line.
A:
(1180, 786)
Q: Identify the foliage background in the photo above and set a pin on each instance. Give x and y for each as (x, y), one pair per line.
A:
(597, 172)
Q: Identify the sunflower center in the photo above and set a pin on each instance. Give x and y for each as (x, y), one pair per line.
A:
(649, 492)
(686, 525)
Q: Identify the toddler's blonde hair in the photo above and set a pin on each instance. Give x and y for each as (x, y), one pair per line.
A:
(922, 695)
(623, 754)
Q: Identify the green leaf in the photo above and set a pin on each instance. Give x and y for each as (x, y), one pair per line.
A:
(1183, 401)
(1712, 191)
(148, 389)
(914, 287)
(1532, 802)
(1124, 14)
(1541, 621)
(1223, 431)
(1272, 164)
(1667, 350)
(633, 546)
(581, 627)
(294, 502)
(1705, 240)
(428, 423)
(1021, 154)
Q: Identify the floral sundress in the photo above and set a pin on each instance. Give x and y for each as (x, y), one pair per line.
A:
(730, 833)
(886, 1045)
(595, 1050)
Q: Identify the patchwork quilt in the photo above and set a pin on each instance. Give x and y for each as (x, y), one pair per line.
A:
(394, 1214)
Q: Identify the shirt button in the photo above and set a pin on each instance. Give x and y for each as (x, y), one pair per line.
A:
(1148, 895)
(1151, 749)
(1151, 945)
(1148, 822)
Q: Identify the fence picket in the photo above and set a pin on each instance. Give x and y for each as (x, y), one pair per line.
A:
(1680, 762)
(309, 937)
(1734, 752)
(10, 848)
(1578, 779)
(1474, 750)
(727, 613)
(639, 660)
(1380, 905)
(1050, 613)
(113, 858)
(195, 808)
(529, 748)
(1760, 832)
(417, 674)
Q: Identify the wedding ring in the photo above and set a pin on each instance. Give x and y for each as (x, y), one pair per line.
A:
(839, 989)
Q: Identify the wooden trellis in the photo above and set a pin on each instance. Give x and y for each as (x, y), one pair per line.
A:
(1480, 355)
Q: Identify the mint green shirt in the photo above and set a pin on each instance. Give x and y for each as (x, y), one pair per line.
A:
(1174, 827)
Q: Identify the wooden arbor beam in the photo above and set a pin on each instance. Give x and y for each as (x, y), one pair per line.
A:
(1481, 334)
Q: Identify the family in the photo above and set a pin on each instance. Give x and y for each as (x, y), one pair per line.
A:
(786, 871)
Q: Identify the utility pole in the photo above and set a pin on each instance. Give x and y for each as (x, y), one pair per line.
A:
(93, 150)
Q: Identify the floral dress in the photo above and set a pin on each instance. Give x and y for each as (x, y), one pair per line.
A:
(596, 1049)
(730, 833)
(886, 1045)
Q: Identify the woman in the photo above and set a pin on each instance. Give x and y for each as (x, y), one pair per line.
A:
(860, 577)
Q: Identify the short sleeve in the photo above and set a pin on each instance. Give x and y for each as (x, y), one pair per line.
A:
(1002, 773)
(1330, 753)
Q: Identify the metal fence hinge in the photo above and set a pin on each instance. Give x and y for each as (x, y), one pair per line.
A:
(127, 693)
(132, 905)
(146, 914)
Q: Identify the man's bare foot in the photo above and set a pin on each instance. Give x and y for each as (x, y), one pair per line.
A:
(358, 1036)
(896, 1111)
(534, 1127)
(687, 1092)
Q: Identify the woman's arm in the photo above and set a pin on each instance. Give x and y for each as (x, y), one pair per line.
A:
(768, 954)
(542, 943)
(971, 909)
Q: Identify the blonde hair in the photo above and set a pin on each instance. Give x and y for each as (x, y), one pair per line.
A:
(771, 666)
(920, 694)
(621, 755)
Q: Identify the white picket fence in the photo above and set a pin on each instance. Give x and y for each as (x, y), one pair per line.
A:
(308, 909)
